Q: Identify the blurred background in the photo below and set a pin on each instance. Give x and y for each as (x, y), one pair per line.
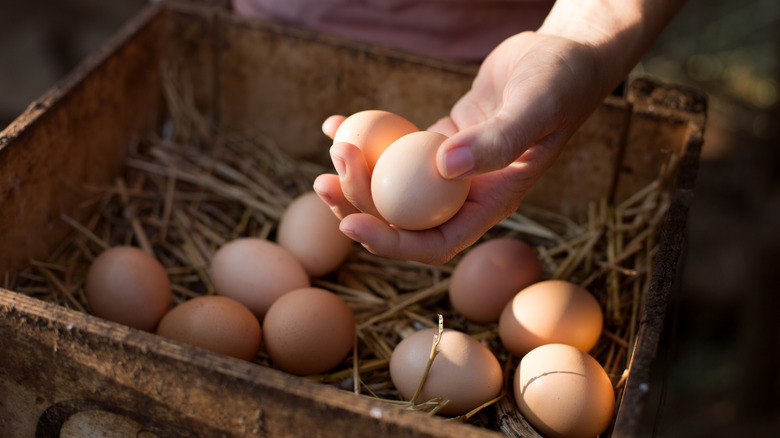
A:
(719, 366)
(718, 370)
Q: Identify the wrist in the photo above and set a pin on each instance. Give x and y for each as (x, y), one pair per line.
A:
(619, 32)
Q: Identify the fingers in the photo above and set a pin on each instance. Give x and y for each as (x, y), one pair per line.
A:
(385, 240)
(493, 196)
(445, 126)
(354, 177)
(434, 246)
(331, 124)
(528, 89)
(494, 143)
(328, 188)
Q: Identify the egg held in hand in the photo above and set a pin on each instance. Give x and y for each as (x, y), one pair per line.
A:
(256, 272)
(489, 275)
(215, 323)
(127, 285)
(551, 311)
(372, 131)
(406, 186)
(310, 231)
(564, 392)
(464, 371)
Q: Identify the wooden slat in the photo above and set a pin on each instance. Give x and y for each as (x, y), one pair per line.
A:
(270, 74)
(585, 170)
(76, 133)
(58, 364)
(679, 116)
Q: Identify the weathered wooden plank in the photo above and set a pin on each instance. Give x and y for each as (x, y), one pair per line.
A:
(268, 73)
(76, 133)
(59, 363)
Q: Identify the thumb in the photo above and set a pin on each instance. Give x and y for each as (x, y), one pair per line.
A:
(489, 145)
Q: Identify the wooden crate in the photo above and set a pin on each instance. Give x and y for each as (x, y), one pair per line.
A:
(59, 367)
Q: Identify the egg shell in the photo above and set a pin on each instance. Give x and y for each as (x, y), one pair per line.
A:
(464, 371)
(308, 331)
(256, 272)
(489, 275)
(215, 323)
(127, 285)
(406, 186)
(372, 131)
(310, 231)
(547, 312)
(564, 392)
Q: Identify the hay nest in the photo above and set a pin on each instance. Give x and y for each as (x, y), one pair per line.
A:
(189, 188)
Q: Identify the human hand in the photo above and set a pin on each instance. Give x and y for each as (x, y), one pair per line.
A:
(530, 95)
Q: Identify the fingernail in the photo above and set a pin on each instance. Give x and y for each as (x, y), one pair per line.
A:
(339, 164)
(325, 198)
(458, 162)
(351, 233)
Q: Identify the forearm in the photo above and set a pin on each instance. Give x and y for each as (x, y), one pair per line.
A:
(620, 31)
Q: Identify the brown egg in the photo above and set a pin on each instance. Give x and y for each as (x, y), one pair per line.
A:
(127, 285)
(256, 272)
(547, 312)
(308, 331)
(406, 186)
(464, 371)
(489, 275)
(563, 392)
(215, 323)
(372, 131)
(310, 231)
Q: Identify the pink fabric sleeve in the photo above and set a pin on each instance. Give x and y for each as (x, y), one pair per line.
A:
(464, 30)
